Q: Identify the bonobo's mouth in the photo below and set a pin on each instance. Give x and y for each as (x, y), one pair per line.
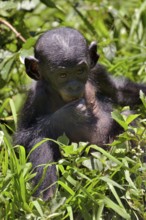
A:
(67, 98)
(71, 99)
(74, 98)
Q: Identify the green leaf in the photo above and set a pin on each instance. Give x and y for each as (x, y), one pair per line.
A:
(25, 53)
(119, 118)
(7, 5)
(108, 155)
(143, 98)
(1, 137)
(22, 155)
(67, 188)
(70, 212)
(129, 180)
(112, 188)
(109, 181)
(49, 3)
(29, 43)
(38, 207)
(131, 118)
(6, 66)
(100, 210)
(63, 139)
(13, 111)
(70, 179)
(119, 210)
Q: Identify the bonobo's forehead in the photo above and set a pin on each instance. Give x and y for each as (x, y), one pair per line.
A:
(62, 47)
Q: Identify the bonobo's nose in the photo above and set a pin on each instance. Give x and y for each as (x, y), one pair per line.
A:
(74, 86)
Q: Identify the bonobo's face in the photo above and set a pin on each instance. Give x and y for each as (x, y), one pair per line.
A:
(66, 74)
(63, 60)
(69, 82)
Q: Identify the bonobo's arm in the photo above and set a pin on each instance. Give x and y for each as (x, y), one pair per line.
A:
(40, 157)
(87, 120)
(121, 90)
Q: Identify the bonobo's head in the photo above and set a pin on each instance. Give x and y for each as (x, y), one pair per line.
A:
(63, 60)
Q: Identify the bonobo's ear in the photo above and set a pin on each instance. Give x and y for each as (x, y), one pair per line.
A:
(93, 53)
(31, 65)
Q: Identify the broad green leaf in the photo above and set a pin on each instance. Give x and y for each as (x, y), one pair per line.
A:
(6, 67)
(25, 53)
(49, 3)
(29, 43)
(7, 5)
(131, 118)
(63, 139)
(119, 118)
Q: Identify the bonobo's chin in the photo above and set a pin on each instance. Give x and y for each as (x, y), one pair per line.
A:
(70, 99)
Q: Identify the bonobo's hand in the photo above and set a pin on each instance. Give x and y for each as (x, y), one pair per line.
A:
(74, 112)
(92, 103)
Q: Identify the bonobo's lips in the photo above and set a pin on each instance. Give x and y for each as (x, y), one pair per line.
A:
(70, 99)
(73, 99)
(67, 98)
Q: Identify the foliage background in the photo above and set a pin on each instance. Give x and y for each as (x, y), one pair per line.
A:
(114, 188)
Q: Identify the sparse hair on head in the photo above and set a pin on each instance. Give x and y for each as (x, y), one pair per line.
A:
(62, 42)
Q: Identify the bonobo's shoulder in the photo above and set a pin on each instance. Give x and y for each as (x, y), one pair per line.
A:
(38, 86)
(98, 71)
(99, 68)
(37, 92)
(33, 86)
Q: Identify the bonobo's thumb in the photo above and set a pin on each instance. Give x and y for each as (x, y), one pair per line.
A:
(90, 94)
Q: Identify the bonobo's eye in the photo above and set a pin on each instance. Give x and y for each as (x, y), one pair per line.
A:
(82, 69)
(81, 72)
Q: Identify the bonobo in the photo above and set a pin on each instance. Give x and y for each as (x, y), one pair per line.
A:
(71, 95)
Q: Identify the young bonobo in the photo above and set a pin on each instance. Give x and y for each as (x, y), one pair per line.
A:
(70, 96)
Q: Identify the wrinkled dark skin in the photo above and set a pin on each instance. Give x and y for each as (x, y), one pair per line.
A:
(71, 95)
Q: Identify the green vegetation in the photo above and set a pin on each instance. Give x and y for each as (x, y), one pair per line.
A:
(108, 184)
